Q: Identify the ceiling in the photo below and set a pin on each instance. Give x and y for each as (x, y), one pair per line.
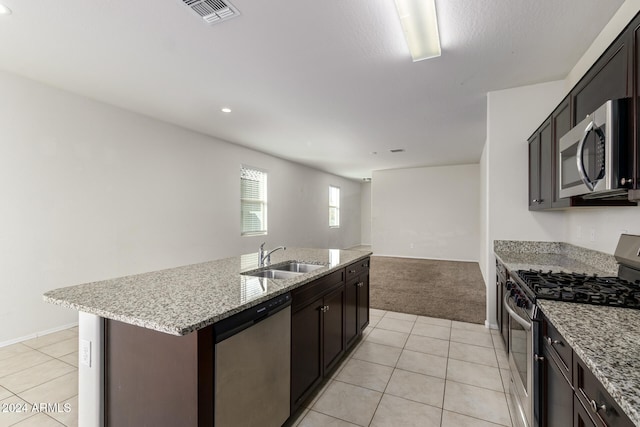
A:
(327, 84)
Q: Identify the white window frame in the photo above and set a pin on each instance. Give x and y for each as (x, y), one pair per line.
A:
(261, 200)
(334, 206)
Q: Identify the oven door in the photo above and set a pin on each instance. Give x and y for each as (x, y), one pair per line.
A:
(521, 363)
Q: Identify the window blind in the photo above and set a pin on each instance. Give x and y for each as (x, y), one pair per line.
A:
(253, 201)
(334, 206)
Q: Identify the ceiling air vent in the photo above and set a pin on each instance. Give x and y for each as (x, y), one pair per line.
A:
(213, 11)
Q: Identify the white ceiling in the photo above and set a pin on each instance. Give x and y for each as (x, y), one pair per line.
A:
(320, 83)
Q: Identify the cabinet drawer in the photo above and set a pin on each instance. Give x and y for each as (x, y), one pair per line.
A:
(558, 347)
(592, 394)
(581, 417)
(357, 268)
(305, 294)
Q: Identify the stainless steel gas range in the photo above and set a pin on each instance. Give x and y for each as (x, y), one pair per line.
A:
(525, 287)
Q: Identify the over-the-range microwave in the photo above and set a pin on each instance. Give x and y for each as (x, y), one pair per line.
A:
(594, 160)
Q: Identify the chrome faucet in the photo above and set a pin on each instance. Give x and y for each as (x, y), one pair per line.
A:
(264, 257)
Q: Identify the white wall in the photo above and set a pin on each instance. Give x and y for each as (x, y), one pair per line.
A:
(429, 212)
(512, 116)
(92, 192)
(365, 209)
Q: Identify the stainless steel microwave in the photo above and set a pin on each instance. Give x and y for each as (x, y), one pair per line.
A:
(593, 157)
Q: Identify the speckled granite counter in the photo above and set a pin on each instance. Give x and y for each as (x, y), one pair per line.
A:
(607, 339)
(181, 300)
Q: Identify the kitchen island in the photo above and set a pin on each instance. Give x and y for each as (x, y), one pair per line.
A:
(606, 339)
(170, 312)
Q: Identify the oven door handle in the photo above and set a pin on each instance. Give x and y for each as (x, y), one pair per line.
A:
(526, 325)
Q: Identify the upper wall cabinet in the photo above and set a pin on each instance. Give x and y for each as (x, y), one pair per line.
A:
(614, 75)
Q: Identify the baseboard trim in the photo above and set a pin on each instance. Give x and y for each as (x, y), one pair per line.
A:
(433, 259)
(37, 334)
(489, 325)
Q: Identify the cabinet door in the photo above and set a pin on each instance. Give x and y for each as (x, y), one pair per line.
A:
(534, 172)
(363, 301)
(581, 417)
(561, 123)
(306, 351)
(607, 79)
(557, 394)
(333, 328)
(546, 166)
(351, 310)
(635, 193)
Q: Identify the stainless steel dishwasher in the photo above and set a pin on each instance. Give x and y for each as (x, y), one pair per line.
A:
(252, 366)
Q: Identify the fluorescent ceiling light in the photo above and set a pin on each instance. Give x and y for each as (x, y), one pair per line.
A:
(4, 10)
(420, 26)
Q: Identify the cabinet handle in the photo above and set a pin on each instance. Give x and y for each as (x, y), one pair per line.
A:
(351, 271)
(595, 408)
(324, 308)
(360, 284)
(552, 341)
(535, 201)
(538, 358)
(625, 181)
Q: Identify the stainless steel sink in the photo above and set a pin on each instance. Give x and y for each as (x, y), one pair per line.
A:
(297, 267)
(274, 274)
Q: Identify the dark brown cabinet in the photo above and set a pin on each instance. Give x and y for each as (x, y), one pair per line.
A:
(541, 168)
(501, 313)
(561, 124)
(317, 333)
(357, 300)
(634, 194)
(571, 394)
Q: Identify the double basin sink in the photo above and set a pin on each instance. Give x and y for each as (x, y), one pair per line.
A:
(287, 270)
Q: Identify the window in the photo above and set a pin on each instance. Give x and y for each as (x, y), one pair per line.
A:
(253, 201)
(334, 206)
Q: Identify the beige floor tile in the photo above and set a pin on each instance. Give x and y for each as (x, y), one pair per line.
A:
(473, 353)
(390, 338)
(416, 387)
(451, 419)
(39, 420)
(69, 418)
(373, 321)
(397, 325)
(433, 331)
(422, 363)
(316, 395)
(22, 361)
(13, 350)
(434, 321)
(427, 345)
(366, 374)
(4, 393)
(506, 379)
(14, 410)
(503, 360)
(378, 353)
(401, 316)
(296, 418)
(71, 359)
(474, 374)
(476, 327)
(61, 348)
(349, 403)
(377, 312)
(39, 374)
(316, 419)
(477, 402)
(471, 337)
(394, 411)
(45, 340)
(54, 391)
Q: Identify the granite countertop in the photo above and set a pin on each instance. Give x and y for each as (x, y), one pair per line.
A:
(184, 299)
(607, 339)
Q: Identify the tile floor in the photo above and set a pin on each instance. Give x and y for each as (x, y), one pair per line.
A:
(415, 371)
(42, 370)
(406, 371)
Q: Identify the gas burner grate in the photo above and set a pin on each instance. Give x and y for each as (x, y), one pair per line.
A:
(582, 288)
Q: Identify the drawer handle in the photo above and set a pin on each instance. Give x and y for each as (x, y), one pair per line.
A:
(324, 308)
(538, 358)
(360, 284)
(351, 271)
(595, 408)
(551, 341)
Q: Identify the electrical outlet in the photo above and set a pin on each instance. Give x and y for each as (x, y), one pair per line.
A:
(592, 235)
(85, 352)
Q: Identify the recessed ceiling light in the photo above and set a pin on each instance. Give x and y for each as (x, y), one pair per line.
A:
(225, 110)
(4, 10)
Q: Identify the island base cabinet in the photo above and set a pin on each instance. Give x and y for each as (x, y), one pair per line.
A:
(306, 347)
(356, 300)
(157, 379)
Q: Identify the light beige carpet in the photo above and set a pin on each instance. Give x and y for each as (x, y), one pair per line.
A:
(445, 289)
